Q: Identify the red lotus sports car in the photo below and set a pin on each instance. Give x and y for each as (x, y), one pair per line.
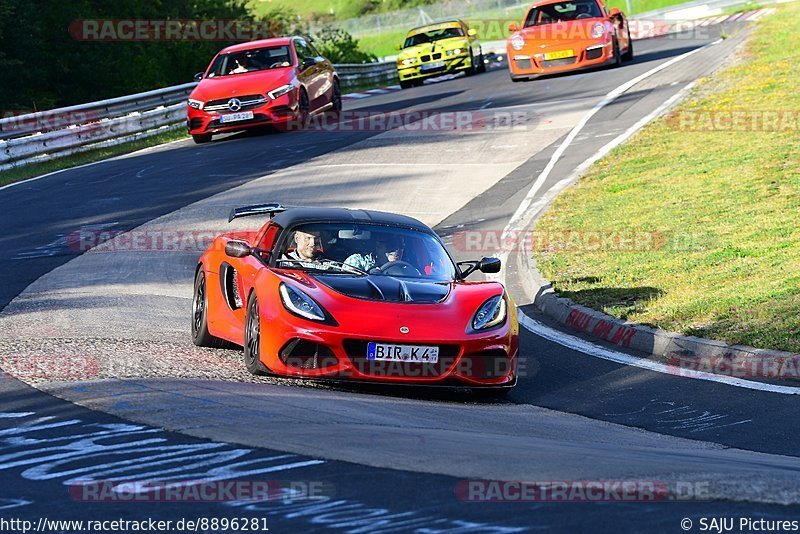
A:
(357, 295)
(269, 82)
(567, 35)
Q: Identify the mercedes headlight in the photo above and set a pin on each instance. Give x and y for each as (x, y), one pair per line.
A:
(597, 31)
(196, 104)
(280, 91)
(517, 42)
(298, 303)
(491, 313)
(455, 52)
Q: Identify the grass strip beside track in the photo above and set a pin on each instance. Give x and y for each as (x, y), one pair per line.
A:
(709, 207)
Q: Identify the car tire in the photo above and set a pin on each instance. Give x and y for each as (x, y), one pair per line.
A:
(628, 55)
(473, 68)
(617, 56)
(200, 335)
(252, 338)
(304, 108)
(406, 85)
(481, 63)
(201, 138)
(336, 100)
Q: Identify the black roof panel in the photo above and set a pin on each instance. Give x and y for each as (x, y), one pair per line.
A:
(294, 216)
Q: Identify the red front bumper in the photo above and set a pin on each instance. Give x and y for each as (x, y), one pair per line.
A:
(281, 111)
(485, 359)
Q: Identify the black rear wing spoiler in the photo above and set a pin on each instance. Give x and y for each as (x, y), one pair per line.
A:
(259, 209)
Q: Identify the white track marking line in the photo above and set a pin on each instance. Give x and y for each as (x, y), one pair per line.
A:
(522, 210)
(585, 347)
(524, 213)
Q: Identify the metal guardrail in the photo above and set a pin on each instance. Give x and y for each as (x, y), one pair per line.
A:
(47, 121)
(60, 132)
(358, 76)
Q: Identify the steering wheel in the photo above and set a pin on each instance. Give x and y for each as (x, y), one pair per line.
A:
(400, 268)
(583, 16)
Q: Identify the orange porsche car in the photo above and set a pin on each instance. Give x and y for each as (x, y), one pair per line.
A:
(567, 35)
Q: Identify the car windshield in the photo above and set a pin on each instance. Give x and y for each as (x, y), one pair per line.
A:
(562, 11)
(362, 249)
(253, 60)
(433, 35)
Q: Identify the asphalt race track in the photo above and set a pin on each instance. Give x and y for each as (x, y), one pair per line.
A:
(149, 405)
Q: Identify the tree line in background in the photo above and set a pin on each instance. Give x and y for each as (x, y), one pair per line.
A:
(43, 66)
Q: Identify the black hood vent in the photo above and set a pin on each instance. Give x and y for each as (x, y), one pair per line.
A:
(386, 288)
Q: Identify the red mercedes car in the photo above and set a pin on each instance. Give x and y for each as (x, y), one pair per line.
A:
(357, 295)
(268, 82)
(567, 35)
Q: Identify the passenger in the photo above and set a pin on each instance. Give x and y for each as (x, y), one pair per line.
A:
(388, 248)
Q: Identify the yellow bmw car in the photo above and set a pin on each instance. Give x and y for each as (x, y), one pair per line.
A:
(437, 49)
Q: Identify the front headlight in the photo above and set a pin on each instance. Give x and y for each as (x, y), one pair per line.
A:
(491, 313)
(597, 31)
(300, 304)
(517, 42)
(455, 52)
(408, 61)
(280, 91)
(196, 104)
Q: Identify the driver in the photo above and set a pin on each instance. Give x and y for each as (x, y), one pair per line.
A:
(240, 66)
(306, 247)
(388, 248)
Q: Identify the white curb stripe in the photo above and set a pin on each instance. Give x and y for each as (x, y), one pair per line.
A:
(585, 347)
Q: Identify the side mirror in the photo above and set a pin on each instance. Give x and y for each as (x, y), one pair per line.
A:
(398, 47)
(615, 12)
(485, 265)
(489, 265)
(513, 27)
(472, 32)
(309, 62)
(237, 249)
(198, 76)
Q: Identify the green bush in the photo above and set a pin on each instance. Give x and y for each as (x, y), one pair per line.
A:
(340, 47)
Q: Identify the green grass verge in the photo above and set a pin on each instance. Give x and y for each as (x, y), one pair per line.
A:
(383, 44)
(38, 169)
(724, 203)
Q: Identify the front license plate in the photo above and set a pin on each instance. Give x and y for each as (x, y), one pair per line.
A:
(561, 54)
(233, 117)
(434, 65)
(385, 352)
